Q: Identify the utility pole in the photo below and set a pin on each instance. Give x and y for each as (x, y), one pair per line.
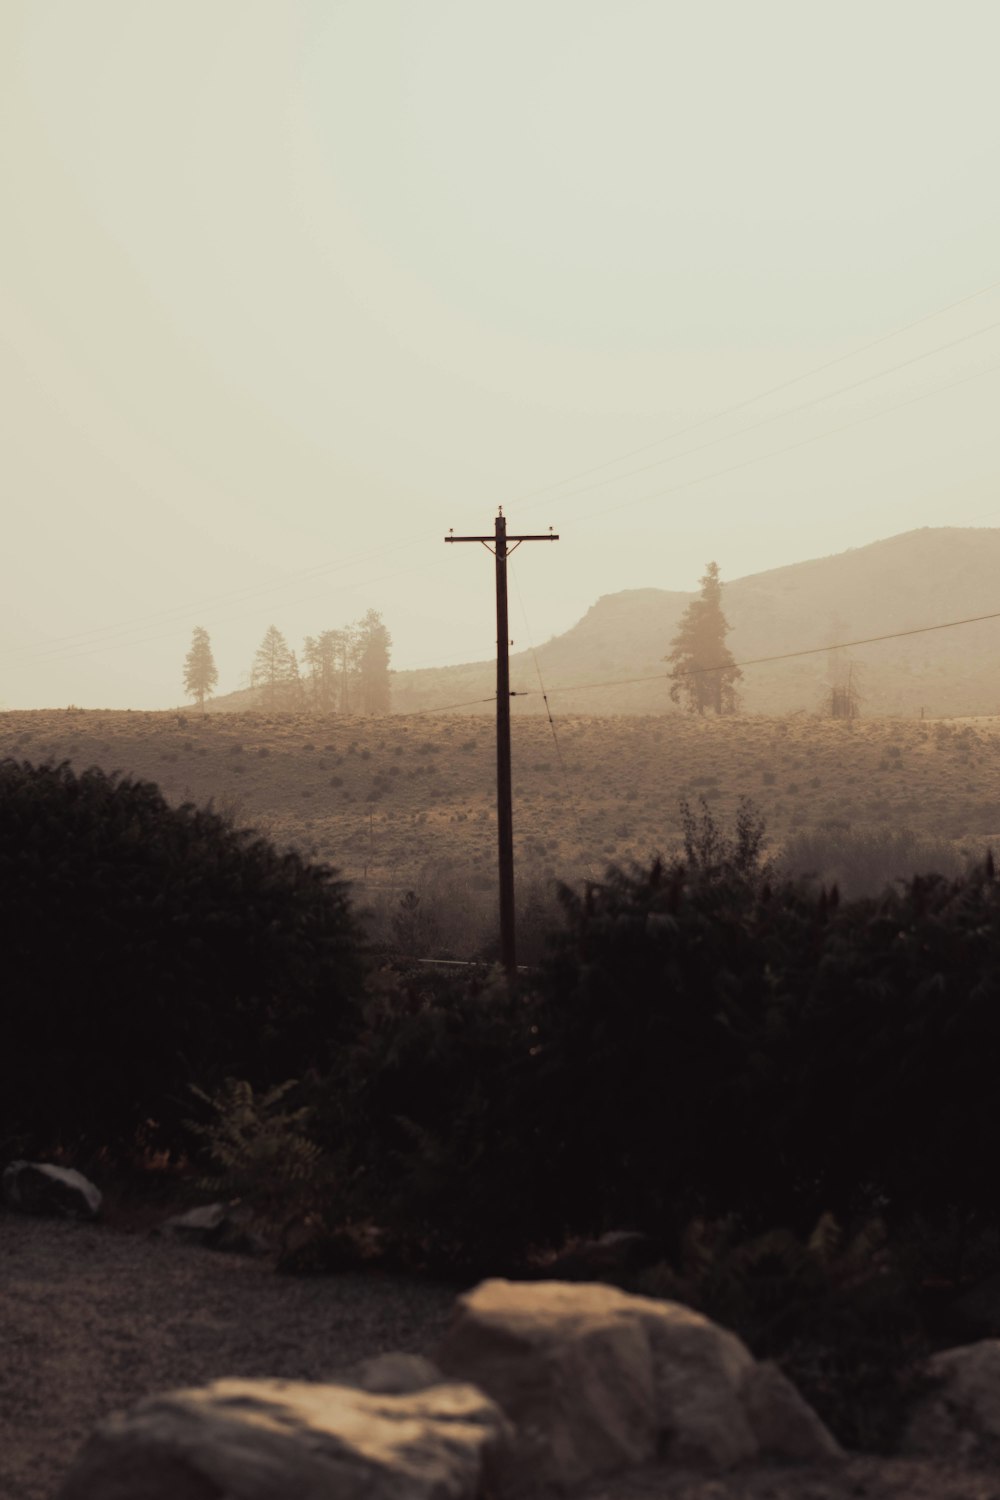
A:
(502, 545)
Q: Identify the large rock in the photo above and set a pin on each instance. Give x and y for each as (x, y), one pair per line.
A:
(35, 1187)
(959, 1416)
(271, 1439)
(596, 1380)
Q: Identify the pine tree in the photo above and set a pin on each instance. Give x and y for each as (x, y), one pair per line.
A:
(200, 675)
(703, 671)
(373, 664)
(320, 661)
(276, 672)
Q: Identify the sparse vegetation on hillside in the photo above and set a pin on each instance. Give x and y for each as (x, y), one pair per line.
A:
(863, 861)
(393, 800)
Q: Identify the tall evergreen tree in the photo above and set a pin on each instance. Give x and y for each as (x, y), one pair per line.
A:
(320, 657)
(703, 672)
(200, 675)
(276, 672)
(373, 664)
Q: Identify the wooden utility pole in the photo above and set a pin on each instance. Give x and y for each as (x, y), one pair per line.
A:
(502, 545)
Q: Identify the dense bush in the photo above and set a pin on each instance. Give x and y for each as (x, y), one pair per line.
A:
(147, 947)
(726, 1046)
(428, 1117)
(698, 1042)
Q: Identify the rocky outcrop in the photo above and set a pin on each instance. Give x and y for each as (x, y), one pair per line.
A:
(34, 1187)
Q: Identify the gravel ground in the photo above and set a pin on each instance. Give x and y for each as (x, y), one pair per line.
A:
(92, 1319)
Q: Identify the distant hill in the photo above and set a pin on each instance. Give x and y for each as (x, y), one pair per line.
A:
(920, 578)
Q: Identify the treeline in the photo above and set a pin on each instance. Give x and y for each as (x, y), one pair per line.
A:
(343, 671)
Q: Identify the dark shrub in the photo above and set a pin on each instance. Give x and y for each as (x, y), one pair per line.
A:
(895, 1077)
(428, 1113)
(146, 947)
(697, 1043)
(663, 1040)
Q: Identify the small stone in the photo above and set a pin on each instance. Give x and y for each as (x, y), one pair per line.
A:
(397, 1374)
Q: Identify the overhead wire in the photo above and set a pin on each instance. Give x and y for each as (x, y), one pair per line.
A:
(237, 596)
(760, 395)
(757, 661)
(815, 437)
(777, 416)
(552, 725)
(441, 708)
(72, 653)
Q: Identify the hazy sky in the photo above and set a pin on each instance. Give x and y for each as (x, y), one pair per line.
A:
(290, 287)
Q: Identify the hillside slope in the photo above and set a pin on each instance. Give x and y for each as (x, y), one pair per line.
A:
(920, 578)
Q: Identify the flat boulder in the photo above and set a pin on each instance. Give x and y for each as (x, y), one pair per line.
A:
(271, 1439)
(596, 1380)
(36, 1187)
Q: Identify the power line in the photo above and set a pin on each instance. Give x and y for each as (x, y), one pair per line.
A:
(760, 396)
(757, 661)
(440, 708)
(789, 447)
(552, 725)
(182, 611)
(73, 652)
(777, 416)
(754, 661)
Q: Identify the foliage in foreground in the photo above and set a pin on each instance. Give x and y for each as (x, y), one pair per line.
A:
(839, 1312)
(697, 1042)
(148, 947)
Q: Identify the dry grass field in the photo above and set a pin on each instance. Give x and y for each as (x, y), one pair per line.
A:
(403, 800)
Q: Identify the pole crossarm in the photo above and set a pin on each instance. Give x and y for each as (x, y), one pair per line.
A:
(501, 545)
(513, 542)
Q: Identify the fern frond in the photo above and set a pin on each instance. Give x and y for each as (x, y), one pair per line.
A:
(825, 1241)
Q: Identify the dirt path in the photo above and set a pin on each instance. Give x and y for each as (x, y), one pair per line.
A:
(91, 1319)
